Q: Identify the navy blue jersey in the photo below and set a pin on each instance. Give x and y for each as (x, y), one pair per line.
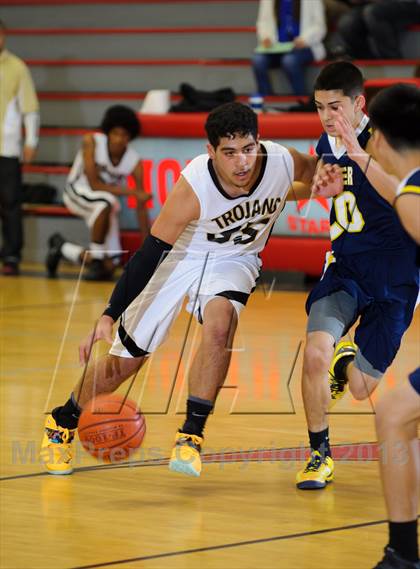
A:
(360, 219)
(411, 185)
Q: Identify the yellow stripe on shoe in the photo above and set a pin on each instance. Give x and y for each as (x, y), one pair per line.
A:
(185, 457)
(56, 449)
(337, 386)
(317, 472)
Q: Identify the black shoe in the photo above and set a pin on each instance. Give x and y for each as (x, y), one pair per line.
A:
(97, 271)
(392, 560)
(55, 243)
(10, 269)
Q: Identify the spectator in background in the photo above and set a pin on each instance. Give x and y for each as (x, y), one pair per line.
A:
(299, 23)
(385, 21)
(373, 30)
(334, 12)
(18, 99)
(96, 180)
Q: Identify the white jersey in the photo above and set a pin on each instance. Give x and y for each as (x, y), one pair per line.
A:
(108, 172)
(236, 225)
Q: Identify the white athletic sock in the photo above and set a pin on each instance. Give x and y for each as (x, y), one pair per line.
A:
(97, 250)
(71, 252)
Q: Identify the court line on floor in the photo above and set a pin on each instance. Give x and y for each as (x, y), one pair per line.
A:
(48, 305)
(352, 452)
(230, 545)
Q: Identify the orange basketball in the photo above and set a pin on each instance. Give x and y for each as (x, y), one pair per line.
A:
(111, 427)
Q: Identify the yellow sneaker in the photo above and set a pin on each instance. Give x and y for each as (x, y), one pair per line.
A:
(56, 452)
(185, 455)
(317, 472)
(338, 385)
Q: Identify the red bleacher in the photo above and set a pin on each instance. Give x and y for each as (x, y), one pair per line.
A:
(282, 253)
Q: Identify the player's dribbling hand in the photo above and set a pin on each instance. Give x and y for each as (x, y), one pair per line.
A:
(102, 331)
(327, 182)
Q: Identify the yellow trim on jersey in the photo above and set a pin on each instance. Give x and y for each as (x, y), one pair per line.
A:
(409, 190)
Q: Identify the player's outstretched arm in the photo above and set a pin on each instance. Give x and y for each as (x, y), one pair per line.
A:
(181, 207)
(304, 170)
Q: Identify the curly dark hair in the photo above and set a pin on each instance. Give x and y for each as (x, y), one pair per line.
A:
(395, 111)
(229, 120)
(122, 117)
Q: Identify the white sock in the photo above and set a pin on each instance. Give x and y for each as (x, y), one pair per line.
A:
(97, 250)
(71, 252)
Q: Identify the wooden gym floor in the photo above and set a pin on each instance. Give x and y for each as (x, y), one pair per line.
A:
(244, 511)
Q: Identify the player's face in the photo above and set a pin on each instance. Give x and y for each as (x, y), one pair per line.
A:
(235, 159)
(328, 101)
(118, 139)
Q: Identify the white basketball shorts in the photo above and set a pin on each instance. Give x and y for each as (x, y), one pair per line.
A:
(146, 322)
(87, 203)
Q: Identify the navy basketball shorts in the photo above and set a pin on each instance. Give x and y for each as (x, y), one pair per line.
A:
(378, 290)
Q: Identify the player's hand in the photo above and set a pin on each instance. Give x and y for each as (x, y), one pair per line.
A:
(299, 43)
(346, 132)
(266, 43)
(141, 196)
(28, 154)
(102, 331)
(327, 182)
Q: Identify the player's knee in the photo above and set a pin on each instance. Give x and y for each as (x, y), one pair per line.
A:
(289, 62)
(390, 414)
(260, 61)
(218, 335)
(382, 419)
(316, 359)
(219, 329)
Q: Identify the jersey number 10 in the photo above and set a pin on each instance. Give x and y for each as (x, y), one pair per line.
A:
(347, 216)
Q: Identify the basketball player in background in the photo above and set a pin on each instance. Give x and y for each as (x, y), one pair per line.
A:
(370, 277)
(395, 116)
(204, 244)
(96, 180)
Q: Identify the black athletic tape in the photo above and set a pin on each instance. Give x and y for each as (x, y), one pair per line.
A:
(137, 273)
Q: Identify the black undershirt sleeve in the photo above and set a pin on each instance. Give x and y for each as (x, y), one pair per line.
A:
(137, 273)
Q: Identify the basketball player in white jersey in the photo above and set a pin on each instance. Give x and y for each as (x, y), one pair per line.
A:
(204, 244)
(96, 180)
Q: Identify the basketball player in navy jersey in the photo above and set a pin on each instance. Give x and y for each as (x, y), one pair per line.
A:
(96, 180)
(205, 245)
(370, 275)
(395, 116)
